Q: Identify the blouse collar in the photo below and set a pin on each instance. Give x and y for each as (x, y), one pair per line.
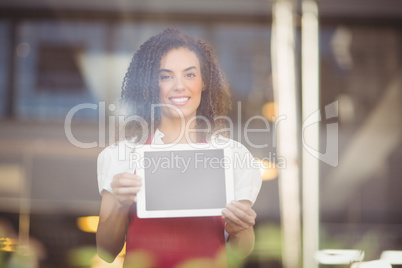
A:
(157, 139)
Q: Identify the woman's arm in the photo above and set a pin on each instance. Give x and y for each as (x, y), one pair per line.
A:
(113, 216)
(240, 219)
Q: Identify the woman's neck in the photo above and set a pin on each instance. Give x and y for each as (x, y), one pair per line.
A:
(175, 131)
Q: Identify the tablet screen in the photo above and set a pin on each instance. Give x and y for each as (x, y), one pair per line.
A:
(183, 182)
(186, 181)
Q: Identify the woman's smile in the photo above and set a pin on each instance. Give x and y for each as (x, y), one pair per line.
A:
(179, 101)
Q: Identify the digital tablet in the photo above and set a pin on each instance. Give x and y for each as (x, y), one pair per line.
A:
(183, 180)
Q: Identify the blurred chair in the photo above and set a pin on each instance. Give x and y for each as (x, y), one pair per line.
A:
(372, 264)
(339, 256)
(393, 257)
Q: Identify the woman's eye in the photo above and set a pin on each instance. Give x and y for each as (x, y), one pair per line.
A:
(190, 75)
(164, 77)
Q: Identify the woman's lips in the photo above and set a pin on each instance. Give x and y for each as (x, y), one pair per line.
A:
(179, 100)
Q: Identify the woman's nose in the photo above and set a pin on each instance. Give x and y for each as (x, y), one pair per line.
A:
(179, 83)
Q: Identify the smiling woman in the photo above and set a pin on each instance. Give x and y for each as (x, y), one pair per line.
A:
(179, 78)
(173, 63)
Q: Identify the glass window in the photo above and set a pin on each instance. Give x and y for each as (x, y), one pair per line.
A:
(4, 70)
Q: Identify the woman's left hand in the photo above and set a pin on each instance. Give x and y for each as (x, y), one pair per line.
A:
(239, 216)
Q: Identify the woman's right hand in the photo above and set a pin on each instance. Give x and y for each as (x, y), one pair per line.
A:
(125, 187)
(114, 213)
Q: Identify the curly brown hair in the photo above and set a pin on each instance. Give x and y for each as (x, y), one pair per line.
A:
(140, 86)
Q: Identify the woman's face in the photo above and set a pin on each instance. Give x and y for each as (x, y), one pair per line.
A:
(180, 83)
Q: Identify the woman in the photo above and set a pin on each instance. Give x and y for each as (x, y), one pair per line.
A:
(182, 76)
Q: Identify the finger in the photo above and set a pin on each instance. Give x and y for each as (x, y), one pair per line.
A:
(228, 216)
(243, 222)
(126, 190)
(130, 175)
(126, 175)
(232, 227)
(247, 216)
(246, 207)
(125, 182)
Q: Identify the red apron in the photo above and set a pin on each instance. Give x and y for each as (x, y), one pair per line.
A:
(168, 242)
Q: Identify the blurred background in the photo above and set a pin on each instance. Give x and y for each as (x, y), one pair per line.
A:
(55, 55)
